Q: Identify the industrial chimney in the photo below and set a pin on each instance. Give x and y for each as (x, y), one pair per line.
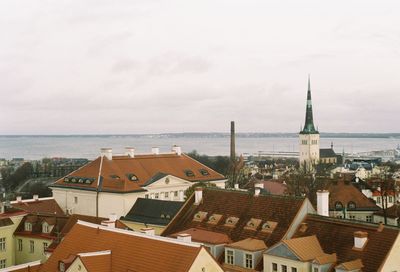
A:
(233, 151)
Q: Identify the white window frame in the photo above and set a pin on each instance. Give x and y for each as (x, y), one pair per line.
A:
(31, 246)
(245, 260)
(3, 263)
(45, 246)
(19, 244)
(272, 267)
(227, 257)
(28, 226)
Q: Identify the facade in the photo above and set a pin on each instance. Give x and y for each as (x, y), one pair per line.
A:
(309, 138)
(95, 248)
(237, 225)
(153, 213)
(112, 184)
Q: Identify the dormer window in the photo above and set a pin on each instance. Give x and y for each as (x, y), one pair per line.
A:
(28, 227)
(189, 173)
(200, 216)
(231, 221)
(61, 267)
(132, 177)
(268, 226)
(214, 219)
(351, 205)
(114, 177)
(338, 205)
(204, 172)
(253, 224)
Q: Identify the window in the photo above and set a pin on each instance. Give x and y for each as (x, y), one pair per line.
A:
(351, 205)
(156, 195)
(189, 173)
(248, 260)
(353, 217)
(31, 246)
(2, 243)
(45, 246)
(229, 257)
(294, 269)
(378, 200)
(274, 267)
(19, 244)
(166, 195)
(75, 199)
(316, 269)
(28, 227)
(146, 196)
(175, 193)
(390, 199)
(368, 218)
(338, 205)
(283, 268)
(204, 172)
(3, 263)
(45, 228)
(132, 177)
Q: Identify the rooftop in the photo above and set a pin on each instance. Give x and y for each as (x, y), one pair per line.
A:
(40, 206)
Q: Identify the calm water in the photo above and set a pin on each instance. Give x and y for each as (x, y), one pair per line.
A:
(36, 147)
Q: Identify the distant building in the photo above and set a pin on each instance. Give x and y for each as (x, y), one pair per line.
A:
(309, 138)
(111, 184)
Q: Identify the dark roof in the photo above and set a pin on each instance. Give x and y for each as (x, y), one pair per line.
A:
(345, 192)
(392, 212)
(75, 217)
(5, 222)
(309, 127)
(242, 205)
(153, 211)
(37, 220)
(327, 153)
(337, 236)
(154, 178)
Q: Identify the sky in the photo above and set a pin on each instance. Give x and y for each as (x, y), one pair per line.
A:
(147, 66)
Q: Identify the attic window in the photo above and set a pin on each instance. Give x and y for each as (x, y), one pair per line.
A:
(351, 205)
(253, 224)
(132, 177)
(200, 216)
(204, 172)
(268, 226)
(338, 205)
(66, 179)
(162, 216)
(114, 176)
(28, 227)
(81, 180)
(231, 221)
(89, 181)
(214, 219)
(189, 173)
(168, 216)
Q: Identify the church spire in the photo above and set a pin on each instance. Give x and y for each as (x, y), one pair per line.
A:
(309, 127)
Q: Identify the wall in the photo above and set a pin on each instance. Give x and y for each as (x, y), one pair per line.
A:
(25, 255)
(205, 263)
(7, 232)
(269, 259)
(392, 260)
(308, 153)
(390, 221)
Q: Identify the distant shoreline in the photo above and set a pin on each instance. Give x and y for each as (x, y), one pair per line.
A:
(220, 135)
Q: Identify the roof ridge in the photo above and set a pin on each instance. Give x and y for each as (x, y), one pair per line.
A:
(228, 190)
(348, 222)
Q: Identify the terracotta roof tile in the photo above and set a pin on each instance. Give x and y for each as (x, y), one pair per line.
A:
(249, 244)
(242, 205)
(130, 251)
(205, 236)
(97, 263)
(58, 222)
(115, 173)
(306, 248)
(351, 265)
(41, 206)
(337, 236)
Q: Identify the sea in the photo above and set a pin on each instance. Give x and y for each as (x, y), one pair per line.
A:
(34, 147)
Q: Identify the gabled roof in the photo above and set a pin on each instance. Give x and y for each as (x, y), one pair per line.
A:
(249, 244)
(97, 261)
(327, 153)
(245, 207)
(392, 212)
(131, 251)
(205, 236)
(337, 236)
(351, 265)
(306, 248)
(37, 221)
(116, 174)
(345, 193)
(45, 206)
(153, 211)
(5, 222)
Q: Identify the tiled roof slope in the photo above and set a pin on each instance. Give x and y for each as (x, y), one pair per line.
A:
(98, 263)
(129, 252)
(115, 173)
(242, 205)
(326, 153)
(41, 206)
(5, 222)
(337, 236)
(153, 211)
(343, 192)
(37, 220)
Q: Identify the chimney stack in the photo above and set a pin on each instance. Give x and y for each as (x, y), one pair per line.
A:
(198, 195)
(233, 151)
(19, 198)
(323, 202)
(360, 239)
(155, 150)
(257, 191)
(236, 186)
(36, 197)
(177, 150)
(185, 237)
(259, 185)
(130, 151)
(148, 231)
(106, 152)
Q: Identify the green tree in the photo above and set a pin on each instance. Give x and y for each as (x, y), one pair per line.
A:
(189, 191)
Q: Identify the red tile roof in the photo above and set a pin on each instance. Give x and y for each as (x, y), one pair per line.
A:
(37, 221)
(41, 206)
(115, 173)
(242, 205)
(205, 236)
(130, 251)
(337, 236)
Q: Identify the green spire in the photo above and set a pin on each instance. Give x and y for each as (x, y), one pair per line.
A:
(309, 127)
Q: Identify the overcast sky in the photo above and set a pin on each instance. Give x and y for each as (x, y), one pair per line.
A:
(143, 66)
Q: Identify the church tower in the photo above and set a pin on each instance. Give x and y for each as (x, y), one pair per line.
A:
(309, 138)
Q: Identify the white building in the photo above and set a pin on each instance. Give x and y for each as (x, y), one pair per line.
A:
(111, 184)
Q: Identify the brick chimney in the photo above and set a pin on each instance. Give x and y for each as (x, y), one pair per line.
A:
(184, 237)
(360, 240)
